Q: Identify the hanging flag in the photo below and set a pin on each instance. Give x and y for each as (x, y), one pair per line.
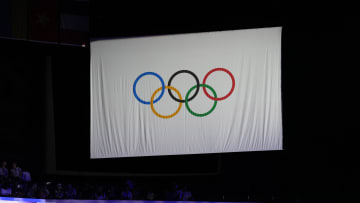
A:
(198, 93)
(43, 20)
(74, 22)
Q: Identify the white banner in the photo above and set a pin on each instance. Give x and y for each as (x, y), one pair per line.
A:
(186, 94)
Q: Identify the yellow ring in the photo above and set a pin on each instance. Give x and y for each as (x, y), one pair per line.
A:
(152, 102)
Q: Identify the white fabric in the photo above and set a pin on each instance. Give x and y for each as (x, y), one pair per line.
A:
(250, 119)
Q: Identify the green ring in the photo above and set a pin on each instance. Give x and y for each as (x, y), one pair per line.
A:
(197, 114)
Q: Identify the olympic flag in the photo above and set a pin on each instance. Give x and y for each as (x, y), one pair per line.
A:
(186, 94)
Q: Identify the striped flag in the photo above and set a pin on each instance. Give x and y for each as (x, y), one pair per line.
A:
(74, 22)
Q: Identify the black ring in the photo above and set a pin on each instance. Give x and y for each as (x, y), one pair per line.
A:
(197, 85)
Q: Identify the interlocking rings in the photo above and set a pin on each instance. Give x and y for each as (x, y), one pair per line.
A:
(142, 75)
(152, 103)
(232, 87)
(197, 85)
(197, 114)
(187, 99)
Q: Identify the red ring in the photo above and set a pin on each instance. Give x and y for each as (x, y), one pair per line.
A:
(232, 88)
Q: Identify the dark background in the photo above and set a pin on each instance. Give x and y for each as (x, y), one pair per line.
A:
(45, 105)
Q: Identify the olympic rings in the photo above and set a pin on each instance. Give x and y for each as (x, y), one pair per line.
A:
(204, 114)
(187, 99)
(197, 85)
(152, 103)
(232, 87)
(142, 75)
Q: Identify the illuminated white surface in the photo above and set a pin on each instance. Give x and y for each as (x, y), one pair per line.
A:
(249, 120)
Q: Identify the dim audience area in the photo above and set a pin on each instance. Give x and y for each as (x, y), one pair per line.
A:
(18, 184)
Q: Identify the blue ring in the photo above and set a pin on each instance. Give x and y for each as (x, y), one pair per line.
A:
(162, 90)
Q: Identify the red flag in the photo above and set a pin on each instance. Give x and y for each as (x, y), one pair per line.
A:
(43, 20)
